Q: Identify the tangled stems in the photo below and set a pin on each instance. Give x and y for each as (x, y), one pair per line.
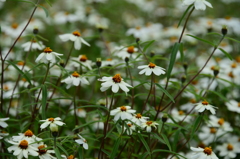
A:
(129, 72)
(105, 129)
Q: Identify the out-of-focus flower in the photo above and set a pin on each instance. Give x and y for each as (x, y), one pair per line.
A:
(149, 125)
(75, 79)
(179, 115)
(48, 56)
(123, 112)
(69, 157)
(200, 153)
(198, 4)
(45, 153)
(81, 61)
(129, 128)
(129, 52)
(151, 68)
(205, 105)
(233, 106)
(33, 45)
(76, 38)
(115, 82)
(138, 119)
(3, 123)
(3, 134)
(228, 150)
(27, 135)
(82, 141)
(51, 121)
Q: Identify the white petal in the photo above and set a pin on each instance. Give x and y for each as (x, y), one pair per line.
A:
(65, 37)
(83, 41)
(115, 88)
(49, 56)
(39, 57)
(77, 44)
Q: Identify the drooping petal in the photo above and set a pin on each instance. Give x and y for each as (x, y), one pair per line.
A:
(39, 57)
(65, 37)
(49, 56)
(83, 41)
(77, 44)
(115, 88)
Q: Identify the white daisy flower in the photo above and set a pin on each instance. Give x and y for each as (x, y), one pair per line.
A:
(200, 153)
(48, 56)
(128, 52)
(81, 60)
(3, 123)
(75, 79)
(151, 68)
(69, 157)
(23, 148)
(82, 141)
(233, 106)
(51, 121)
(129, 128)
(33, 45)
(205, 105)
(123, 112)
(198, 4)
(27, 135)
(115, 82)
(76, 38)
(138, 119)
(3, 134)
(45, 153)
(148, 125)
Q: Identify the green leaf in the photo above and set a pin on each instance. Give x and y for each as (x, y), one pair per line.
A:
(200, 39)
(232, 39)
(172, 59)
(180, 21)
(115, 148)
(62, 148)
(144, 143)
(164, 91)
(49, 3)
(181, 51)
(225, 53)
(25, 1)
(20, 71)
(220, 95)
(40, 37)
(57, 153)
(84, 125)
(44, 101)
(106, 152)
(159, 150)
(196, 125)
(45, 10)
(165, 138)
(213, 33)
(147, 46)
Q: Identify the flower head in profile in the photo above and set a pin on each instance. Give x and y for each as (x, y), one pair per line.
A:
(115, 82)
(3, 123)
(82, 141)
(149, 125)
(75, 79)
(48, 56)
(198, 4)
(123, 112)
(151, 68)
(45, 153)
(52, 122)
(129, 127)
(203, 153)
(33, 45)
(205, 105)
(26, 135)
(76, 38)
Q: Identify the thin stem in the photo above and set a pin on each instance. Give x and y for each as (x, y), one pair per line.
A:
(130, 76)
(150, 91)
(75, 104)
(139, 48)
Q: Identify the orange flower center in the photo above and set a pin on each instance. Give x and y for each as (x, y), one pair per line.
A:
(24, 79)
(14, 25)
(213, 130)
(41, 150)
(123, 108)
(117, 78)
(237, 59)
(130, 49)
(51, 119)
(238, 104)
(149, 123)
(138, 27)
(76, 33)
(234, 65)
(230, 74)
(23, 144)
(83, 58)
(204, 103)
(75, 74)
(151, 65)
(230, 147)
(180, 112)
(138, 115)
(194, 82)
(70, 157)
(129, 125)
(47, 50)
(28, 133)
(193, 101)
(208, 150)
(20, 63)
(109, 60)
(221, 121)
(5, 88)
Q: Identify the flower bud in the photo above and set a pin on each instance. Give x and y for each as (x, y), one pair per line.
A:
(35, 31)
(126, 59)
(216, 71)
(152, 53)
(99, 62)
(183, 79)
(185, 66)
(62, 63)
(164, 118)
(224, 30)
(137, 40)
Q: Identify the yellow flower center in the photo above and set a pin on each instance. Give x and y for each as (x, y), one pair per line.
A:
(28, 133)
(51, 119)
(180, 112)
(194, 82)
(208, 150)
(109, 60)
(130, 49)
(234, 65)
(149, 123)
(230, 74)
(238, 104)
(5, 88)
(193, 101)
(70, 157)
(213, 130)
(223, 44)
(138, 115)
(47, 50)
(41, 150)
(83, 58)
(117, 78)
(138, 27)
(75, 74)
(204, 103)
(221, 121)
(129, 125)
(151, 65)
(76, 33)
(230, 147)
(237, 59)
(14, 25)
(20, 63)
(24, 79)
(123, 108)
(33, 41)
(23, 144)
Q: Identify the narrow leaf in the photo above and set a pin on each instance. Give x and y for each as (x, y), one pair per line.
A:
(181, 51)
(196, 125)
(45, 10)
(115, 148)
(165, 138)
(159, 150)
(172, 59)
(147, 46)
(57, 153)
(232, 39)
(144, 143)
(225, 53)
(44, 101)
(200, 39)
(180, 21)
(164, 91)
(220, 95)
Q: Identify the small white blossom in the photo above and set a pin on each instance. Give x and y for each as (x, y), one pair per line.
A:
(198, 4)
(138, 119)
(51, 121)
(76, 38)
(129, 128)
(200, 153)
(48, 56)
(75, 79)
(123, 112)
(33, 45)
(28, 135)
(149, 124)
(3, 123)
(82, 141)
(151, 68)
(45, 153)
(205, 105)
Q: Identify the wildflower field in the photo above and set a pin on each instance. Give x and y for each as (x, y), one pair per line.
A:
(120, 79)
